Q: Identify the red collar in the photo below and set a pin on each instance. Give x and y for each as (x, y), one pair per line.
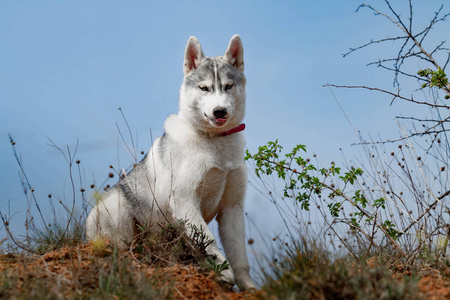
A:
(234, 130)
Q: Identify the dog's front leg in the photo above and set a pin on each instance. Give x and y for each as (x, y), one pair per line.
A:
(190, 213)
(232, 227)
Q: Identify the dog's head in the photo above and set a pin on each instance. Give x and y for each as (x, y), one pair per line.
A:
(212, 96)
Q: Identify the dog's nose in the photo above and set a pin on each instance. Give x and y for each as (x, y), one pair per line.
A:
(219, 112)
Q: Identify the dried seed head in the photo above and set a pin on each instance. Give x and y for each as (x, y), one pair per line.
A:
(134, 165)
(78, 161)
(442, 169)
(392, 153)
(92, 186)
(82, 190)
(111, 175)
(419, 158)
(399, 146)
(251, 241)
(49, 195)
(142, 152)
(110, 166)
(32, 190)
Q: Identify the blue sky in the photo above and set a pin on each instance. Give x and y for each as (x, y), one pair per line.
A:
(66, 67)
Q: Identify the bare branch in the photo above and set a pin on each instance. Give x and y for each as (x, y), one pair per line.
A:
(403, 73)
(448, 59)
(427, 210)
(374, 42)
(423, 120)
(403, 138)
(395, 59)
(437, 48)
(432, 23)
(434, 105)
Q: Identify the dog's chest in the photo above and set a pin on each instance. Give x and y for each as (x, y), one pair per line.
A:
(210, 192)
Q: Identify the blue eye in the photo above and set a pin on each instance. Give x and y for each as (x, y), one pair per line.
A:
(228, 87)
(204, 88)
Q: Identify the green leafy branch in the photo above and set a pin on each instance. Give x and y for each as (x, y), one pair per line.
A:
(303, 180)
(437, 79)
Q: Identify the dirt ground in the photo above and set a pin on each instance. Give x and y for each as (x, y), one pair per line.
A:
(74, 269)
(434, 286)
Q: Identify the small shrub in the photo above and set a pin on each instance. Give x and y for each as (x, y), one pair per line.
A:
(308, 271)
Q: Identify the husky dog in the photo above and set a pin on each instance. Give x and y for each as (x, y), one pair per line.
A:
(196, 170)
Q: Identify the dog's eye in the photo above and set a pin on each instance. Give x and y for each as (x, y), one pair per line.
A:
(228, 87)
(204, 88)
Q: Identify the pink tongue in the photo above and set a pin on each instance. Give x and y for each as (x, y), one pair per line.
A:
(221, 120)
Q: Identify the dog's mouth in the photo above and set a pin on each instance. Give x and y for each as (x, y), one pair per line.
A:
(217, 122)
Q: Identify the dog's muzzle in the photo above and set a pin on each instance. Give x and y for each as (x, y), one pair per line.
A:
(219, 118)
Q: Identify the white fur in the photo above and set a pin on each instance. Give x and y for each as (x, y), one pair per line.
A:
(191, 173)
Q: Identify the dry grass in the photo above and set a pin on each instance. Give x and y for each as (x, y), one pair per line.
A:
(308, 271)
(84, 272)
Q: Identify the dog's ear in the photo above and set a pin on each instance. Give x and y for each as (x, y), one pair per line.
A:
(193, 55)
(235, 53)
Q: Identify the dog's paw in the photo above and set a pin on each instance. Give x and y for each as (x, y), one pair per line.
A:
(245, 283)
(227, 277)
